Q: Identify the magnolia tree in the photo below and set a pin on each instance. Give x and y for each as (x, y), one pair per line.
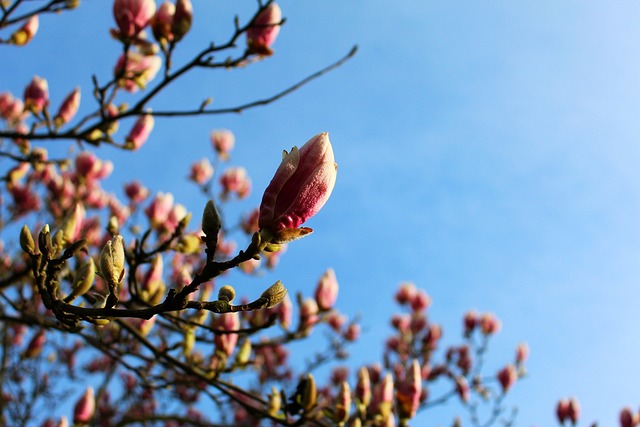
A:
(112, 311)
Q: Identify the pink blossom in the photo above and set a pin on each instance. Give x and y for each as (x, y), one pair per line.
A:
(11, 108)
(136, 191)
(85, 407)
(201, 171)
(24, 199)
(285, 312)
(249, 222)
(301, 185)
(162, 22)
(36, 95)
(420, 301)
(363, 387)
(573, 410)
(336, 320)
(489, 324)
(409, 391)
(27, 32)
(68, 108)
(158, 210)
(471, 320)
(326, 292)
(522, 353)
(182, 19)
(132, 16)
(264, 30)
(235, 180)
(223, 141)
(406, 293)
(140, 70)
(627, 418)
(507, 377)
(140, 131)
(308, 314)
(462, 388)
(383, 396)
(352, 333)
(226, 343)
(562, 410)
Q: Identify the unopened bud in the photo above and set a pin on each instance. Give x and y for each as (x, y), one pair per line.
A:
(226, 293)
(244, 354)
(112, 260)
(275, 402)
(26, 241)
(309, 393)
(343, 403)
(274, 294)
(211, 220)
(83, 280)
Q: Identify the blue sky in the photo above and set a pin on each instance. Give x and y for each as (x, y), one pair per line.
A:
(488, 151)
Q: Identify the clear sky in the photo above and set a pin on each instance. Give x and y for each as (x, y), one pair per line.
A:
(487, 150)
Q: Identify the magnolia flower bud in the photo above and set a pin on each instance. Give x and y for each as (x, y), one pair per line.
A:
(162, 22)
(264, 30)
(140, 70)
(36, 95)
(507, 376)
(85, 407)
(301, 185)
(112, 260)
(275, 402)
(211, 220)
(309, 393)
(226, 342)
(132, 16)
(363, 388)
(327, 290)
(409, 391)
(274, 294)
(182, 19)
(68, 109)
(226, 293)
(140, 131)
(223, 141)
(82, 280)
(27, 243)
(26, 32)
(343, 403)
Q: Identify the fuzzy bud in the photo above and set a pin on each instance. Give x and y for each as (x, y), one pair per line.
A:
(112, 260)
(264, 30)
(211, 220)
(27, 243)
(226, 293)
(274, 294)
(326, 292)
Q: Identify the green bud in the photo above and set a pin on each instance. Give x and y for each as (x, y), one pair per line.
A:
(211, 223)
(226, 293)
(274, 294)
(82, 281)
(26, 241)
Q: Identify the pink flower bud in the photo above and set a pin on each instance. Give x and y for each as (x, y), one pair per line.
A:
(363, 387)
(406, 293)
(140, 131)
(471, 320)
(223, 141)
(489, 324)
(573, 410)
(139, 71)
(308, 314)
(68, 109)
(182, 19)
(235, 180)
(11, 108)
(420, 301)
(352, 333)
(343, 403)
(507, 377)
(627, 418)
(158, 210)
(132, 16)
(136, 191)
(226, 343)
(562, 410)
(201, 172)
(301, 186)
(264, 29)
(85, 407)
(36, 95)
(462, 388)
(522, 353)
(409, 391)
(26, 33)
(285, 312)
(383, 397)
(327, 290)
(162, 22)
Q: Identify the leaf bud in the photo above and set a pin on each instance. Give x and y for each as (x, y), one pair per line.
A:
(274, 294)
(211, 220)
(226, 293)
(82, 281)
(26, 241)
(112, 260)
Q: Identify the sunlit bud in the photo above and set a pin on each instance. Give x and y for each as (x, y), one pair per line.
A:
(152, 280)
(352, 333)
(226, 342)
(82, 280)
(227, 293)
(489, 324)
(327, 290)
(383, 398)
(264, 29)
(274, 294)
(336, 320)
(201, 171)
(182, 19)
(462, 388)
(275, 402)
(244, 353)
(223, 141)
(85, 407)
(36, 95)
(363, 388)
(145, 325)
(308, 314)
(158, 210)
(235, 180)
(211, 220)
(627, 418)
(162, 22)
(471, 320)
(562, 410)
(420, 301)
(343, 403)
(140, 132)
(522, 353)
(35, 345)
(309, 393)
(132, 16)
(136, 191)
(27, 243)
(68, 109)
(285, 312)
(573, 410)
(72, 224)
(112, 260)
(140, 70)
(301, 185)
(507, 377)
(27, 32)
(409, 391)
(189, 244)
(433, 335)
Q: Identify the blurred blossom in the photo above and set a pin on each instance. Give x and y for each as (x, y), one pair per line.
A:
(139, 71)
(462, 388)
(140, 131)
(326, 292)
(471, 320)
(285, 312)
(132, 16)
(85, 407)
(336, 320)
(11, 108)
(249, 222)
(162, 22)
(489, 324)
(406, 293)
(352, 333)
(159, 208)
(36, 95)
(24, 199)
(308, 314)
(507, 377)
(522, 353)
(226, 343)
(68, 108)
(27, 32)
(136, 191)
(201, 171)
(264, 30)
(182, 19)
(235, 180)
(223, 141)
(627, 418)
(408, 392)
(420, 301)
